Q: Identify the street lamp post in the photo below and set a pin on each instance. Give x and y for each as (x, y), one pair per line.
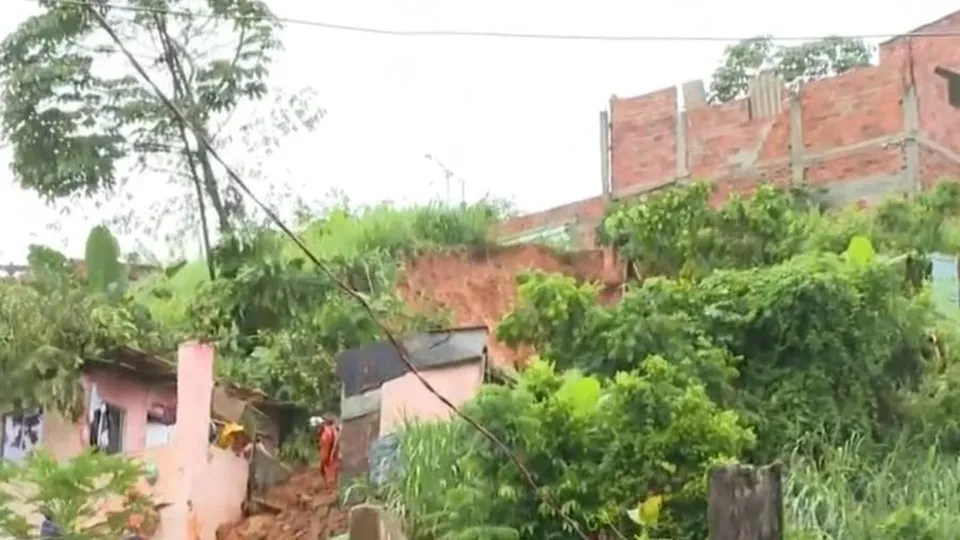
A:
(447, 177)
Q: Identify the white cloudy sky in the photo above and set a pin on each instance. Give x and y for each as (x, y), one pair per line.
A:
(513, 118)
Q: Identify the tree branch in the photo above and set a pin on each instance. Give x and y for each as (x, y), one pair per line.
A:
(179, 90)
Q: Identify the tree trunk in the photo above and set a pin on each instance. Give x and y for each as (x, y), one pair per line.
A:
(746, 503)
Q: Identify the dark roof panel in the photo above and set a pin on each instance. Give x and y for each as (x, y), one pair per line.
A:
(368, 367)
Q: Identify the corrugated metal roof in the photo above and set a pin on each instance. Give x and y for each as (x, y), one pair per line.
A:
(365, 368)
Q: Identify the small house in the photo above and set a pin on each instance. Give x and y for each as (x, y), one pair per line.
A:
(379, 392)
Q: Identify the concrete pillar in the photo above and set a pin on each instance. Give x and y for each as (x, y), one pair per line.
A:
(694, 94)
(369, 522)
(190, 437)
(681, 158)
(911, 148)
(746, 503)
(606, 189)
(766, 95)
(797, 168)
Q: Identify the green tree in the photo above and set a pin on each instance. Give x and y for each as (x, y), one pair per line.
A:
(52, 322)
(793, 63)
(81, 123)
(105, 272)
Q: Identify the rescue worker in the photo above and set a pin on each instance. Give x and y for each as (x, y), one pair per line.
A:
(328, 439)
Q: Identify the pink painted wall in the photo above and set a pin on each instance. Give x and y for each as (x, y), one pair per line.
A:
(135, 397)
(405, 397)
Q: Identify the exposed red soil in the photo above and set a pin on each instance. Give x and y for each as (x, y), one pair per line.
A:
(478, 285)
(308, 506)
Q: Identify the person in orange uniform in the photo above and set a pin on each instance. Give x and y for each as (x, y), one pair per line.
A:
(328, 438)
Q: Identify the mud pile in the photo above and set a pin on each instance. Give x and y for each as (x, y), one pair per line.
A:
(308, 509)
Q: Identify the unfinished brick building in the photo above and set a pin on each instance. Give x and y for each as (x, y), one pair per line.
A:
(862, 135)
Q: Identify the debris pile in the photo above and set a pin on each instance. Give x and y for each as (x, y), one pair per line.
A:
(304, 508)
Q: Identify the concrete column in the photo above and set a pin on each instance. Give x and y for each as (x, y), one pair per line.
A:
(190, 438)
(797, 169)
(694, 94)
(606, 189)
(681, 158)
(911, 147)
(746, 502)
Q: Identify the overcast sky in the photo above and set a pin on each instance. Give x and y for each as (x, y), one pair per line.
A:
(515, 118)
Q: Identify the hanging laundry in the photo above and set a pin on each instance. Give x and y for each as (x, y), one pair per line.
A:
(93, 430)
(100, 428)
(96, 411)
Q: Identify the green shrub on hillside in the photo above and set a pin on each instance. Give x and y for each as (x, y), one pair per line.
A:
(756, 304)
(597, 448)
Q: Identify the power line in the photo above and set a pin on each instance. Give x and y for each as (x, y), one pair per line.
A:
(344, 287)
(507, 35)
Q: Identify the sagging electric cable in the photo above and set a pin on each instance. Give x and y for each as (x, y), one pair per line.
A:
(507, 35)
(573, 524)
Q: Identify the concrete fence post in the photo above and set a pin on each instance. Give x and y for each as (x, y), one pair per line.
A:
(746, 503)
(911, 147)
(797, 150)
(369, 522)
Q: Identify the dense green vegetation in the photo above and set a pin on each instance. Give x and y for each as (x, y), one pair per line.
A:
(759, 332)
(276, 319)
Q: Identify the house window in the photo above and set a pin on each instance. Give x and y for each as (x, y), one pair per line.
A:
(107, 428)
(158, 434)
(21, 434)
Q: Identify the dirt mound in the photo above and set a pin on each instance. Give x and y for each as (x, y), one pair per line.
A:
(477, 285)
(308, 509)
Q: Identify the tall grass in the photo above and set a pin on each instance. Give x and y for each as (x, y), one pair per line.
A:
(398, 231)
(910, 493)
(850, 492)
(428, 471)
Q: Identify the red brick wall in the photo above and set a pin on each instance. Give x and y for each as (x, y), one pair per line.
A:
(726, 144)
(853, 131)
(643, 139)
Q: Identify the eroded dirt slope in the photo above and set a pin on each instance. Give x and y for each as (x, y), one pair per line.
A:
(477, 285)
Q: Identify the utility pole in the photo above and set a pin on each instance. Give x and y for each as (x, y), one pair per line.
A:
(447, 177)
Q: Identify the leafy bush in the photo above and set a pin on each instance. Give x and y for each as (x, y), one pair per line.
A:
(759, 305)
(595, 447)
(788, 345)
(74, 494)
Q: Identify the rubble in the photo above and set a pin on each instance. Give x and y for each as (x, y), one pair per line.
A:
(304, 508)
